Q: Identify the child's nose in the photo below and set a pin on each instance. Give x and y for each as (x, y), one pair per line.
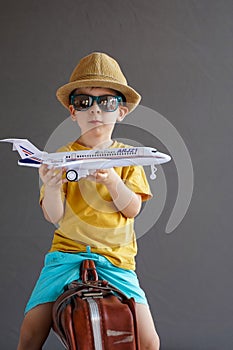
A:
(95, 108)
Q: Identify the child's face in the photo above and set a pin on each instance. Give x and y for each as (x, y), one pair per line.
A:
(94, 120)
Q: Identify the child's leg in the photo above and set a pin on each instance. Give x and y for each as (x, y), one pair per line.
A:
(147, 333)
(36, 327)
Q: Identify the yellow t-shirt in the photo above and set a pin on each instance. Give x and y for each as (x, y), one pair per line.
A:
(91, 218)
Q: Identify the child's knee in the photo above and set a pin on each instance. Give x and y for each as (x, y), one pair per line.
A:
(35, 327)
(27, 337)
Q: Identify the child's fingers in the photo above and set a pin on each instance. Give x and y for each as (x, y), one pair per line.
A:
(52, 172)
(55, 175)
(101, 175)
(52, 176)
(90, 177)
(49, 175)
(43, 169)
(102, 171)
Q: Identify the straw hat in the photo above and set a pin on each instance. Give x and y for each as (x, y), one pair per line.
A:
(98, 70)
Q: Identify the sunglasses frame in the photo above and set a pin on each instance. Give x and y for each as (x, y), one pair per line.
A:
(97, 99)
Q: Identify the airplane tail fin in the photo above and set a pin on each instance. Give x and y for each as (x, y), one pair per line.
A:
(27, 151)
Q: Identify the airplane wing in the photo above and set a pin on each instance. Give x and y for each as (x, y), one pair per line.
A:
(31, 162)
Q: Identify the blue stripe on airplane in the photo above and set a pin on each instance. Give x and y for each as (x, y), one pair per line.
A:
(28, 161)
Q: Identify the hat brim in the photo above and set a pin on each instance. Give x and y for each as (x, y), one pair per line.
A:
(132, 97)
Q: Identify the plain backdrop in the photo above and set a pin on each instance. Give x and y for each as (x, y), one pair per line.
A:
(178, 55)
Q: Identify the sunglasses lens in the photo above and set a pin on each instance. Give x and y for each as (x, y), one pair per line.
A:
(81, 102)
(108, 103)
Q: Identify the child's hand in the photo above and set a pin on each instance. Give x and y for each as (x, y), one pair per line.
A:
(52, 177)
(104, 176)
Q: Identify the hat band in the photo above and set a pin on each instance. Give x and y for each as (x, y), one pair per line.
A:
(98, 77)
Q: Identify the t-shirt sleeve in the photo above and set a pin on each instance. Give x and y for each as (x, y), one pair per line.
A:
(135, 179)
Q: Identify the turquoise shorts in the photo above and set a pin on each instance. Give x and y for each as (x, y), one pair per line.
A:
(60, 269)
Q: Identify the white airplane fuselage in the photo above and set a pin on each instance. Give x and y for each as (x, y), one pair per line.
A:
(137, 155)
(88, 161)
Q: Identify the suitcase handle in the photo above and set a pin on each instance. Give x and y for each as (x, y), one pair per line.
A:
(89, 272)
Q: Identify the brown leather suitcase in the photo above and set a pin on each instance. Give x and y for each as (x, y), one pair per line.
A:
(93, 315)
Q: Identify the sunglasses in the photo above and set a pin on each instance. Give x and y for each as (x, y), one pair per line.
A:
(107, 103)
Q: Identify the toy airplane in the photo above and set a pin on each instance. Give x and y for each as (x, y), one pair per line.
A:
(80, 164)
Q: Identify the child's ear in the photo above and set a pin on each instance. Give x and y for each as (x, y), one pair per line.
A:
(123, 110)
(72, 113)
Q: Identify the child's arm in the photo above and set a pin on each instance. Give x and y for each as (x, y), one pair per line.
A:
(126, 201)
(52, 204)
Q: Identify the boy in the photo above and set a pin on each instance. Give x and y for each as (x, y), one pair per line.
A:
(95, 214)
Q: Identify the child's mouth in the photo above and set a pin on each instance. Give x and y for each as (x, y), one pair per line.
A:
(96, 122)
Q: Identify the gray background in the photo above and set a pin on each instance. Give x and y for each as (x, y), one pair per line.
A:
(178, 55)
